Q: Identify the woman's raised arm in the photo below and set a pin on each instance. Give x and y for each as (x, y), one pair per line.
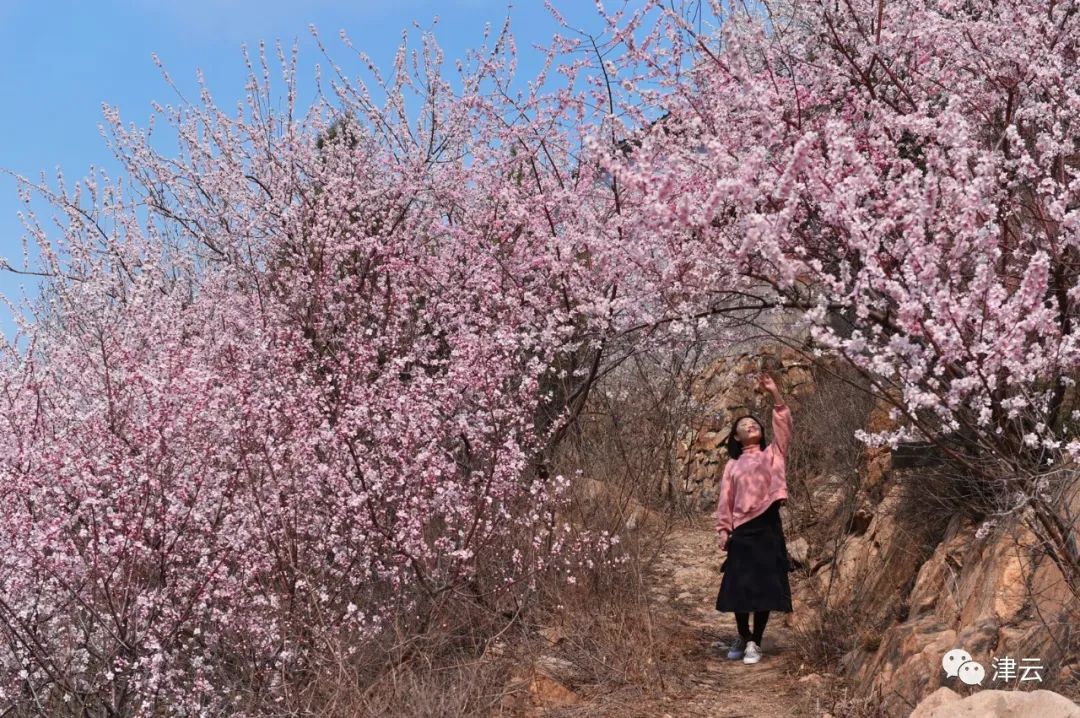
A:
(781, 425)
(781, 415)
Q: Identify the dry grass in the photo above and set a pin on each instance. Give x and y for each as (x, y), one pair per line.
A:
(827, 421)
(424, 690)
(612, 643)
(824, 482)
(835, 628)
(837, 700)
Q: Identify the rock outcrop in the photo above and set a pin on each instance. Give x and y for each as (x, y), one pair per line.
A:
(911, 591)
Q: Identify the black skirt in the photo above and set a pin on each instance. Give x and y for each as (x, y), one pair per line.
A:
(757, 566)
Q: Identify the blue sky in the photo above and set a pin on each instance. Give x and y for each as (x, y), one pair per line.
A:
(60, 59)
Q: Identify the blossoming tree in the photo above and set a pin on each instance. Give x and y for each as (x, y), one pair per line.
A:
(287, 386)
(906, 170)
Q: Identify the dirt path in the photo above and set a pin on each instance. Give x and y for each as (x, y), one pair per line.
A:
(683, 586)
(699, 681)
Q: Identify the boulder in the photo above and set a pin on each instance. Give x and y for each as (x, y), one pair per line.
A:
(914, 592)
(940, 700)
(945, 703)
(871, 569)
(905, 666)
(971, 593)
(935, 584)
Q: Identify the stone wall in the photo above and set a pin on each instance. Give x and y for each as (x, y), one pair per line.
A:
(727, 392)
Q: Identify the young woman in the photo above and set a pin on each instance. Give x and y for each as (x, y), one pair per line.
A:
(753, 487)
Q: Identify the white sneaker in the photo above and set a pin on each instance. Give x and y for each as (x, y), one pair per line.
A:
(752, 654)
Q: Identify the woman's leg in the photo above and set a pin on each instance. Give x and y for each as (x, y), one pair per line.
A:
(760, 619)
(742, 620)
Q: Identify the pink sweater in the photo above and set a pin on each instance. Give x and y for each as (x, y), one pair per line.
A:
(757, 478)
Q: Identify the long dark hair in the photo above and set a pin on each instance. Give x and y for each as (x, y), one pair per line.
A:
(734, 446)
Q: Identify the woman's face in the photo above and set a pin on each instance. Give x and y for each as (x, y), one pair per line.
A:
(747, 431)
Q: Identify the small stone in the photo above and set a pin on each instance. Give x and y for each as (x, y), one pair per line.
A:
(553, 634)
(548, 692)
(556, 666)
(799, 550)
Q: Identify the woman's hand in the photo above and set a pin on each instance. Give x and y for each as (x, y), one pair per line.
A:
(724, 536)
(766, 382)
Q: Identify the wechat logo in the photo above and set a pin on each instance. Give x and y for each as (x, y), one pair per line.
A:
(958, 664)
